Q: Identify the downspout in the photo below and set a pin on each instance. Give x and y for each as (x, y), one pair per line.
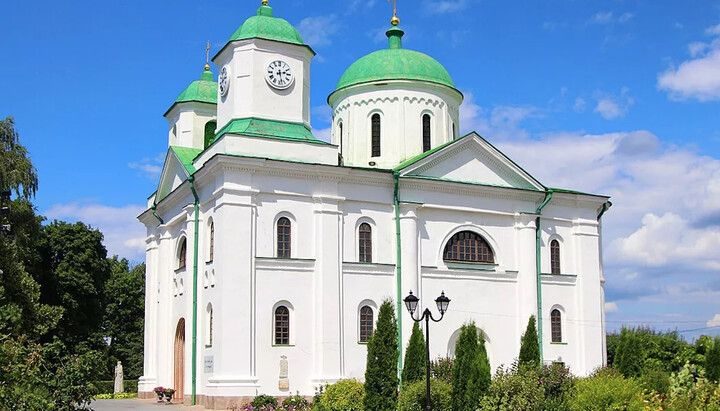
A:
(153, 208)
(396, 178)
(191, 179)
(606, 206)
(538, 275)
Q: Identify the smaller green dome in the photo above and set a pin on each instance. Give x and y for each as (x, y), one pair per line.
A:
(395, 63)
(265, 26)
(203, 90)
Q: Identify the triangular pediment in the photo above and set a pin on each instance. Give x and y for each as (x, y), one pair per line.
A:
(470, 159)
(177, 168)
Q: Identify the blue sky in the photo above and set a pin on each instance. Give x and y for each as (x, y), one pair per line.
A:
(614, 97)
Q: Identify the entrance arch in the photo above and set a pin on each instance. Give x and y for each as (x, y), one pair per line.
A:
(179, 360)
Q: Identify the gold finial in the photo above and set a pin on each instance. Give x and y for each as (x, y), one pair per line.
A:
(394, 20)
(207, 56)
(264, 2)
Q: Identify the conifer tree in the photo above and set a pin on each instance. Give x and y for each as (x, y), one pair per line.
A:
(381, 379)
(468, 385)
(712, 361)
(483, 366)
(629, 358)
(529, 345)
(415, 361)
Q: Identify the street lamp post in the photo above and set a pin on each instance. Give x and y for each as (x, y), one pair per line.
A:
(411, 302)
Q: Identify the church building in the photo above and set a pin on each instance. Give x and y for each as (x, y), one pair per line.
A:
(269, 251)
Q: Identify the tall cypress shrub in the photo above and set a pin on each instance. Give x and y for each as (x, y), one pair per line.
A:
(529, 346)
(629, 357)
(468, 386)
(381, 379)
(483, 366)
(712, 361)
(414, 367)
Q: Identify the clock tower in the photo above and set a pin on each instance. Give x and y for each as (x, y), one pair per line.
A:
(264, 73)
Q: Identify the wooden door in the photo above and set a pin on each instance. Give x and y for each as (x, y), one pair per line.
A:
(179, 361)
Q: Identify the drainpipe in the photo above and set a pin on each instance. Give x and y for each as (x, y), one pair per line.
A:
(153, 208)
(538, 275)
(396, 178)
(191, 179)
(606, 206)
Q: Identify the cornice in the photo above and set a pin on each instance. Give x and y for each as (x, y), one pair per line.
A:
(558, 279)
(468, 189)
(284, 264)
(506, 276)
(377, 269)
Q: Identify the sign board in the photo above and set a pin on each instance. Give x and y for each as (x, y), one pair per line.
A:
(209, 364)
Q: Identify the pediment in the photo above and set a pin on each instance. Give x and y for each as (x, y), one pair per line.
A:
(177, 168)
(470, 159)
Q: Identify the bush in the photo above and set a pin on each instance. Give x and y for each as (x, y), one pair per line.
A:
(629, 355)
(107, 387)
(529, 345)
(412, 396)
(704, 395)
(414, 367)
(471, 371)
(557, 383)
(712, 361)
(607, 389)
(297, 402)
(381, 379)
(442, 369)
(656, 380)
(344, 395)
(263, 400)
(514, 388)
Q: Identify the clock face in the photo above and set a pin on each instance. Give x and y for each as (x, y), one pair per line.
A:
(279, 75)
(224, 81)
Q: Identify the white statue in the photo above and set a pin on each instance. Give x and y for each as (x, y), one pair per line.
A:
(118, 378)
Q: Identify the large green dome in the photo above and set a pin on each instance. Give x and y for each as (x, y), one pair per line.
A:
(395, 63)
(203, 90)
(265, 26)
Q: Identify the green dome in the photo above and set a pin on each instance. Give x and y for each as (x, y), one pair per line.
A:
(265, 26)
(395, 63)
(203, 90)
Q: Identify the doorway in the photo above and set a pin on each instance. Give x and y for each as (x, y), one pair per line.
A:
(179, 361)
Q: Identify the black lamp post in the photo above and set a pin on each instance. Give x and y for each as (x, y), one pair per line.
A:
(411, 302)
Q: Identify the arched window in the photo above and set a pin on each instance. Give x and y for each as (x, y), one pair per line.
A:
(340, 132)
(209, 330)
(365, 243)
(454, 131)
(426, 132)
(210, 132)
(470, 247)
(182, 254)
(282, 325)
(366, 323)
(212, 241)
(554, 257)
(283, 238)
(555, 326)
(375, 120)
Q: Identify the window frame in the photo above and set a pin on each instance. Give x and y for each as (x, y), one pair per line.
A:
(211, 251)
(556, 325)
(210, 312)
(363, 334)
(426, 132)
(555, 263)
(375, 135)
(181, 263)
(455, 251)
(365, 242)
(283, 240)
(283, 339)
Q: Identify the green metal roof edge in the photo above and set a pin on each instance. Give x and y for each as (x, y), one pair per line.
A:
(474, 183)
(186, 156)
(511, 161)
(380, 170)
(566, 191)
(236, 127)
(419, 157)
(362, 83)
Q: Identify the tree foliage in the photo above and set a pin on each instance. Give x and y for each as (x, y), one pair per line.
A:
(471, 369)
(529, 345)
(712, 361)
(381, 379)
(17, 172)
(629, 357)
(415, 357)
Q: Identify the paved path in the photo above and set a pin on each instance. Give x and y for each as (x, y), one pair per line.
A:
(135, 404)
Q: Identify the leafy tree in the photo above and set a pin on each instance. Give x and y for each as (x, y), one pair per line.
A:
(73, 275)
(469, 380)
(16, 170)
(124, 316)
(712, 361)
(629, 358)
(529, 345)
(381, 380)
(415, 357)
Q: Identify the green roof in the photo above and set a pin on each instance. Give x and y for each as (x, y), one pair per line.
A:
(186, 157)
(282, 130)
(204, 91)
(395, 63)
(420, 156)
(265, 26)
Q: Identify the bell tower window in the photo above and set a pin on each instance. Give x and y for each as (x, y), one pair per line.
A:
(375, 126)
(426, 132)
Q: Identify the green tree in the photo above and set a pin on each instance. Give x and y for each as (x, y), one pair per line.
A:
(712, 361)
(469, 381)
(381, 379)
(17, 172)
(73, 274)
(629, 357)
(415, 357)
(529, 345)
(483, 366)
(124, 316)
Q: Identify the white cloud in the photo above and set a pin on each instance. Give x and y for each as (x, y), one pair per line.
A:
(318, 31)
(699, 77)
(124, 234)
(714, 322)
(500, 122)
(149, 167)
(444, 6)
(324, 134)
(368, 4)
(608, 17)
(625, 17)
(611, 107)
(579, 105)
(611, 307)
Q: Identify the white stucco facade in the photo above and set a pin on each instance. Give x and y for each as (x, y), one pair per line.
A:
(225, 201)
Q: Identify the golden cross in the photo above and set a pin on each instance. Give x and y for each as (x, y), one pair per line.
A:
(207, 56)
(395, 20)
